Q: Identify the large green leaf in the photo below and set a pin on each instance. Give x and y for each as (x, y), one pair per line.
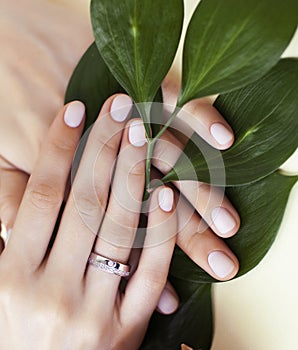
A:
(192, 324)
(261, 206)
(264, 116)
(91, 83)
(231, 43)
(138, 40)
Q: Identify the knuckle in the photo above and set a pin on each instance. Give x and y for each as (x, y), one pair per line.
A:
(107, 145)
(137, 169)
(153, 279)
(59, 144)
(45, 195)
(88, 203)
(101, 195)
(90, 210)
(120, 236)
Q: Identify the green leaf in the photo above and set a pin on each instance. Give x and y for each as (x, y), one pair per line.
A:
(138, 40)
(192, 324)
(261, 207)
(91, 83)
(263, 116)
(233, 42)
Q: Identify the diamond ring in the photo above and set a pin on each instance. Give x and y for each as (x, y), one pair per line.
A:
(108, 265)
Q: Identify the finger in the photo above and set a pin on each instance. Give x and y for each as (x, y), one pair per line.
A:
(200, 243)
(45, 190)
(121, 220)
(205, 120)
(145, 287)
(202, 246)
(168, 302)
(87, 202)
(198, 116)
(209, 201)
(12, 186)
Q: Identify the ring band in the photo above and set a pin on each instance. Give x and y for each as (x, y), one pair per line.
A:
(108, 265)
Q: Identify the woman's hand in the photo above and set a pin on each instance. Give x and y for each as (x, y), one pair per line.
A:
(23, 129)
(52, 298)
(200, 242)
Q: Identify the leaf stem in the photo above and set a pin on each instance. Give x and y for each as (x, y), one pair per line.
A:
(150, 149)
(167, 124)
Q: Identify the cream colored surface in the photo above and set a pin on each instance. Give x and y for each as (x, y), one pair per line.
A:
(256, 312)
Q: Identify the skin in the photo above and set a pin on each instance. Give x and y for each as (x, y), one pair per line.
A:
(204, 199)
(194, 238)
(62, 296)
(66, 304)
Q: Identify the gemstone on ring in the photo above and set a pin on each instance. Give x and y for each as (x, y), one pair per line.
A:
(111, 263)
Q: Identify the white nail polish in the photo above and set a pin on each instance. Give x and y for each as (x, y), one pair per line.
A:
(221, 134)
(120, 108)
(166, 199)
(74, 114)
(223, 220)
(168, 303)
(136, 133)
(220, 264)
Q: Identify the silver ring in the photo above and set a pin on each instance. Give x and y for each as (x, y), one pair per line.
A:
(108, 265)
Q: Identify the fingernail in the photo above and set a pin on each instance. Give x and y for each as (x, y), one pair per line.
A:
(136, 134)
(221, 264)
(120, 108)
(166, 199)
(74, 114)
(223, 220)
(168, 302)
(221, 134)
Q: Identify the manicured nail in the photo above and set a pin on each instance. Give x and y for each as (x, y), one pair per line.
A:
(136, 134)
(166, 199)
(221, 134)
(74, 114)
(168, 302)
(223, 220)
(221, 264)
(120, 108)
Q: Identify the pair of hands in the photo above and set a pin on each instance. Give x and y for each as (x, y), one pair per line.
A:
(49, 290)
